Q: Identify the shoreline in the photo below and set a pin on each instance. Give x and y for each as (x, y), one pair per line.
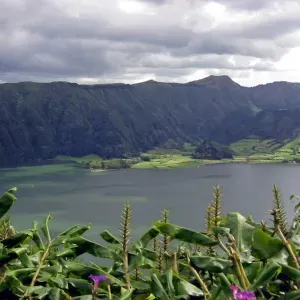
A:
(162, 164)
(201, 164)
(96, 170)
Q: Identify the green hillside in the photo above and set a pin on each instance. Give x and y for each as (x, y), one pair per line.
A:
(257, 150)
(42, 121)
(251, 146)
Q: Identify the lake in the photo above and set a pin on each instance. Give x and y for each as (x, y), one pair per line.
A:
(77, 196)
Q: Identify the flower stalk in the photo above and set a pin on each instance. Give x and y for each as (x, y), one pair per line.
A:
(204, 287)
(125, 235)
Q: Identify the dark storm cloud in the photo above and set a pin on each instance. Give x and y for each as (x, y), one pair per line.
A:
(242, 46)
(206, 62)
(267, 28)
(89, 30)
(53, 39)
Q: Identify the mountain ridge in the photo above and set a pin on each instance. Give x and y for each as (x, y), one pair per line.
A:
(204, 79)
(42, 120)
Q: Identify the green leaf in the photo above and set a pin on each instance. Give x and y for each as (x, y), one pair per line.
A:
(140, 261)
(140, 285)
(16, 239)
(147, 238)
(7, 200)
(36, 236)
(84, 271)
(25, 260)
(86, 246)
(20, 272)
(7, 257)
(265, 246)
(252, 270)
(210, 263)
(295, 237)
(39, 292)
(85, 297)
(149, 254)
(13, 283)
(45, 229)
(158, 289)
(225, 284)
(281, 257)
(53, 270)
(290, 271)
(5, 222)
(221, 231)
(126, 295)
(72, 232)
(76, 230)
(266, 275)
(169, 279)
(80, 284)
(184, 235)
(109, 237)
(186, 288)
(241, 230)
(13, 191)
(54, 294)
(12, 254)
(295, 295)
(267, 230)
(67, 252)
(59, 282)
(216, 292)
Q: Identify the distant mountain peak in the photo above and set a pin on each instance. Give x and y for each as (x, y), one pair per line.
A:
(149, 81)
(217, 80)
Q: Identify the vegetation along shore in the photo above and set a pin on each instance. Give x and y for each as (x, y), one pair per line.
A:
(251, 150)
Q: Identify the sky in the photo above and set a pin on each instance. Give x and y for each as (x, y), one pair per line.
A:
(103, 41)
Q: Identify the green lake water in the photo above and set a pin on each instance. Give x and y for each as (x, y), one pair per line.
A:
(76, 196)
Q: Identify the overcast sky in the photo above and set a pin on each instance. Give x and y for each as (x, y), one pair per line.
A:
(97, 41)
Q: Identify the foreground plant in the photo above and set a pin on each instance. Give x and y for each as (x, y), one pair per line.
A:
(241, 295)
(125, 237)
(97, 279)
(233, 252)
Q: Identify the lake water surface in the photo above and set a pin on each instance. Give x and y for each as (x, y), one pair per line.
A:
(80, 197)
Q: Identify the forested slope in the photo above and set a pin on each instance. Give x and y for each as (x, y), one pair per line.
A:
(42, 120)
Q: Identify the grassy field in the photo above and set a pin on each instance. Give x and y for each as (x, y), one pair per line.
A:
(251, 146)
(166, 161)
(160, 158)
(252, 151)
(172, 161)
(267, 151)
(88, 160)
(35, 171)
(290, 150)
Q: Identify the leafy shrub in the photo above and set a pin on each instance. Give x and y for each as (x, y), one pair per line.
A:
(234, 252)
(145, 157)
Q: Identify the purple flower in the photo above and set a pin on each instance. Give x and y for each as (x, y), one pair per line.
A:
(245, 295)
(97, 279)
(242, 295)
(235, 290)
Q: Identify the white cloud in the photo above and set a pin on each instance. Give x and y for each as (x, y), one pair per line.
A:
(135, 7)
(92, 41)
